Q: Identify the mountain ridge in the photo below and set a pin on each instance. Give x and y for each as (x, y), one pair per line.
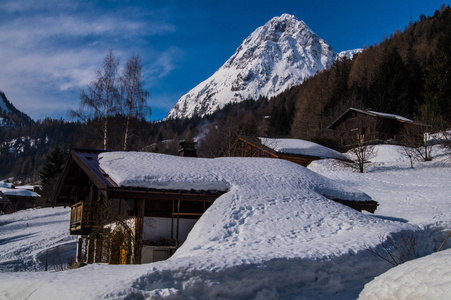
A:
(10, 116)
(276, 56)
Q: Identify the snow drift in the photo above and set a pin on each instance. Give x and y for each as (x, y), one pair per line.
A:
(424, 278)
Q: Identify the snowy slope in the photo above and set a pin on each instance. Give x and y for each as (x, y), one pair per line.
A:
(271, 236)
(276, 56)
(403, 193)
(26, 235)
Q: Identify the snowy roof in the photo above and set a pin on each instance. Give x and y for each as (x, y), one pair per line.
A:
(160, 171)
(268, 202)
(375, 114)
(18, 192)
(301, 147)
(389, 116)
(4, 184)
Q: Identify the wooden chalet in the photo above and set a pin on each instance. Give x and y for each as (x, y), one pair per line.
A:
(123, 225)
(253, 147)
(364, 126)
(13, 199)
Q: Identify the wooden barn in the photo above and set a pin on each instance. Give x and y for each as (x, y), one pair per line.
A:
(123, 225)
(298, 151)
(364, 126)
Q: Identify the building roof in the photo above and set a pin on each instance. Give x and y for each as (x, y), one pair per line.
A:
(71, 182)
(300, 147)
(373, 114)
(18, 192)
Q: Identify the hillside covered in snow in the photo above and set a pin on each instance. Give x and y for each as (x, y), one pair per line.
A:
(273, 235)
(275, 57)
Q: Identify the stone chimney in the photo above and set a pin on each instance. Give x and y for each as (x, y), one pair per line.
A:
(187, 149)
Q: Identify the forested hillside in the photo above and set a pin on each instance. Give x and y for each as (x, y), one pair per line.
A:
(405, 74)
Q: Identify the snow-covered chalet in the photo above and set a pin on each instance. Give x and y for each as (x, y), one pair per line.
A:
(145, 213)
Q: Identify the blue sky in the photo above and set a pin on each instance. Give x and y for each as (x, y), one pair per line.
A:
(50, 49)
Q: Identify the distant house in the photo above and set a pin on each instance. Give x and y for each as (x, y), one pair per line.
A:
(365, 126)
(123, 225)
(295, 150)
(15, 199)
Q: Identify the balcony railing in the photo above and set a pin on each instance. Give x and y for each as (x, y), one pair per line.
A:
(82, 217)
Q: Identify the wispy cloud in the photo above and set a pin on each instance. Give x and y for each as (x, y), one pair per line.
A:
(50, 49)
(165, 63)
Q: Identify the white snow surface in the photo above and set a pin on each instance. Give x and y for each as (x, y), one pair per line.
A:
(272, 235)
(424, 278)
(4, 184)
(276, 56)
(301, 147)
(350, 53)
(392, 116)
(26, 235)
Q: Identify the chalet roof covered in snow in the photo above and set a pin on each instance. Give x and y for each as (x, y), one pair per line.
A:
(301, 147)
(261, 193)
(160, 171)
(82, 168)
(18, 192)
(373, 114)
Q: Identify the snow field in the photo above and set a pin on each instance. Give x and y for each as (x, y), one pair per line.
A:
(27, 235)
(272, 235)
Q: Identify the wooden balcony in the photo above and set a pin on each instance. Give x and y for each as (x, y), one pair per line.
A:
(82, 218)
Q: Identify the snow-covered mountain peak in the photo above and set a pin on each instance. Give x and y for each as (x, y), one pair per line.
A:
(276, 56)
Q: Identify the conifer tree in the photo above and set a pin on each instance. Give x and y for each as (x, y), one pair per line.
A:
(437, 86)
(50, 172)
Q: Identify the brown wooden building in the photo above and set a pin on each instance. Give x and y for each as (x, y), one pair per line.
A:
(364, 126)
(13, 199)
(124, 225)
(253, 147)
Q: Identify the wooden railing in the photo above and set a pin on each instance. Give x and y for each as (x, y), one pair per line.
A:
(82, 217)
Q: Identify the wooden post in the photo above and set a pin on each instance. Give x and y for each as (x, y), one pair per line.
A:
(140, 206)
(172, 220)
(79, 249)
(90, 247)
(46, 255)
(178, 225)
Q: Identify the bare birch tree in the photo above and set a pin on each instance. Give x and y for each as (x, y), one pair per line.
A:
(100, 98)
(134, 96)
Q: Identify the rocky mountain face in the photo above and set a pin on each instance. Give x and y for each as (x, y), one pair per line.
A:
(276, 56)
